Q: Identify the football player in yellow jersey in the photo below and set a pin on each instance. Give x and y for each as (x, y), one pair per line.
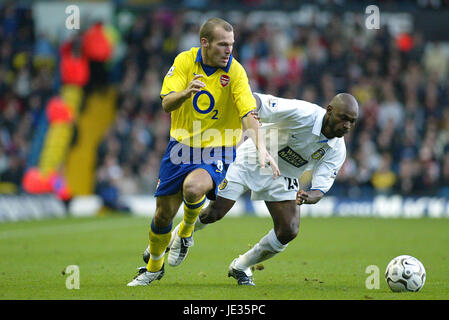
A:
(208, 95)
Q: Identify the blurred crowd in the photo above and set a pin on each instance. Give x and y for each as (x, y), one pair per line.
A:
(400, 143)
(27, 81)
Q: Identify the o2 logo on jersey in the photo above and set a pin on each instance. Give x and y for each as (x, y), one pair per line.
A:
(211, 104)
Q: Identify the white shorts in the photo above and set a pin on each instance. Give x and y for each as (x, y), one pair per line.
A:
(241, 178)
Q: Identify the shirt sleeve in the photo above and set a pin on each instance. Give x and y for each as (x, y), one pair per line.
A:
(274, 109)
(325, 173)
(176, 78)
(242, 95)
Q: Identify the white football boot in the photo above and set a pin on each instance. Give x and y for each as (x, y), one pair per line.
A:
(145, 277)
(243, 277)
(179, 247)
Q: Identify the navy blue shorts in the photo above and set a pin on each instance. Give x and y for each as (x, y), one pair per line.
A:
(179, 160)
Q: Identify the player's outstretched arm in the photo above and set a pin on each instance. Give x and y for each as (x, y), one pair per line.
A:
(252, 126)
(174, 100)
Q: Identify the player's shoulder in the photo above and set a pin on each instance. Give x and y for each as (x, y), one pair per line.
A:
(340, 147)
(309, 107)
(187, 56)
(303, 108)
(306, 106)
(306, 109)
(236, 67)
(341, 143)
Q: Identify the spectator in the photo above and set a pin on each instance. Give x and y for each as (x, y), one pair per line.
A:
(383, 179)
(444, 178)
(435, 60)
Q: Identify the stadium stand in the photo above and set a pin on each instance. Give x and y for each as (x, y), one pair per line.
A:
(400, 145)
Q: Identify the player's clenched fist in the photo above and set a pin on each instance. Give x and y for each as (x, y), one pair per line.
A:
(301, 197)
(308, 197)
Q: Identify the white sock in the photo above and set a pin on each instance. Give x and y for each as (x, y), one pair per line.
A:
(265, 249)
(199, 225)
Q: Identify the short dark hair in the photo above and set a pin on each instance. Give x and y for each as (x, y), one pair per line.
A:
(207, 29)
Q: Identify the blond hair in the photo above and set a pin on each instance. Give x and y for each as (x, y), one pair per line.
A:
(207, 29)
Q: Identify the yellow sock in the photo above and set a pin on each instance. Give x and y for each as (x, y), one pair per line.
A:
(159, 239)
(191, 213)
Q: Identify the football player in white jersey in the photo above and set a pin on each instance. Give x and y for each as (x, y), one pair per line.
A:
(305, 137)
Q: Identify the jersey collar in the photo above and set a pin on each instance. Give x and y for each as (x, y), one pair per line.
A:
(208, 69)
(316, 130)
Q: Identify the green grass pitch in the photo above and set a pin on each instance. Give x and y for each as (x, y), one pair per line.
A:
(326, 261)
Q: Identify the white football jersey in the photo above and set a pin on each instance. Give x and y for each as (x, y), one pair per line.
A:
(293, 137)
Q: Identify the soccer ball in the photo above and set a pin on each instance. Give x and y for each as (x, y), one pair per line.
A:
(405, 273)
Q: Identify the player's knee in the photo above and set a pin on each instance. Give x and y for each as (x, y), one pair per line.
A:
(288, 232)
(193, 192)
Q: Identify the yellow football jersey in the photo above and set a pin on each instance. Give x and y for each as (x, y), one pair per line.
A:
(211, 117)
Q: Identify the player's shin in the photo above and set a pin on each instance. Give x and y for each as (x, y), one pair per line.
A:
(191, 213)
(265, 249)
(159, 239)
